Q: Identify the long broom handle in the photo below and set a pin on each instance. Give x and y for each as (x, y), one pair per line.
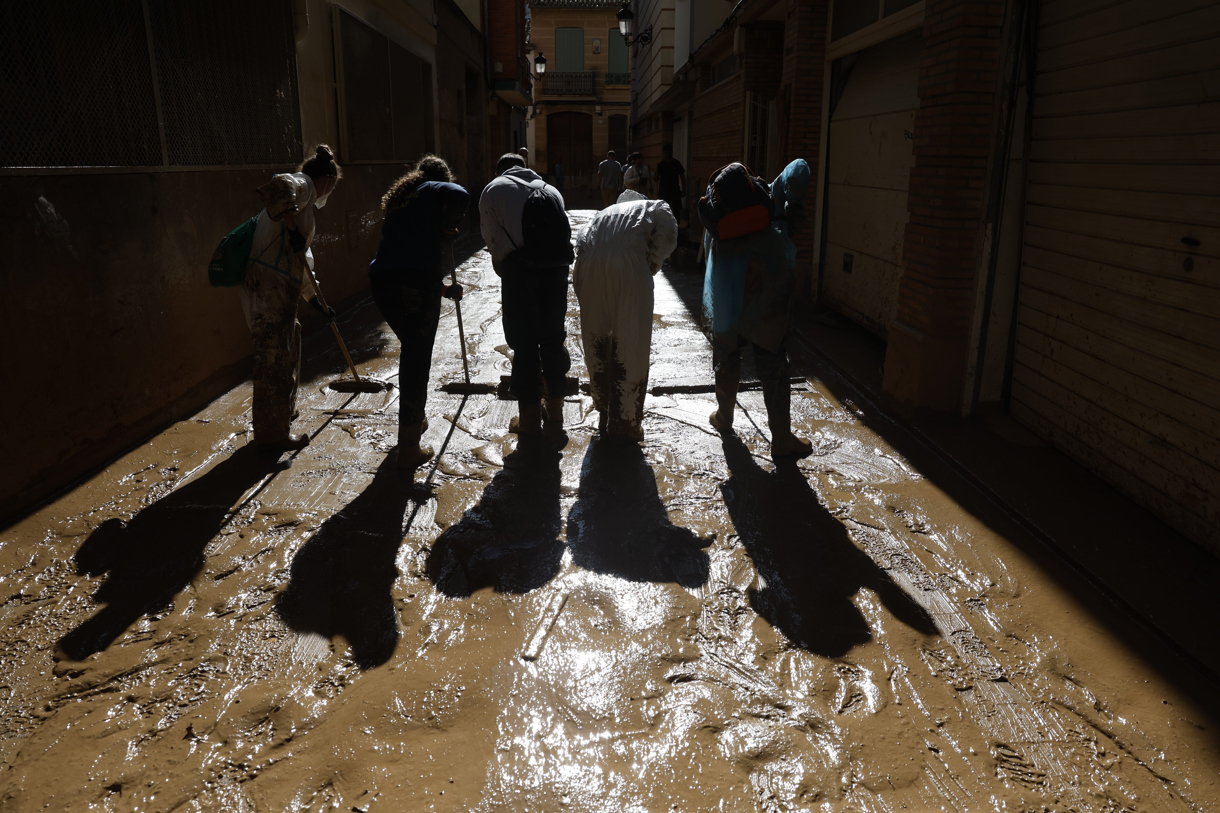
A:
(458, 307)
(334, 328)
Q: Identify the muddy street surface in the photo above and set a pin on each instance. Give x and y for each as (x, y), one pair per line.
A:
(682, 626)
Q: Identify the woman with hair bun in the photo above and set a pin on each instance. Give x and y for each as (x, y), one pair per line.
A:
(275, 278)
(422, 212)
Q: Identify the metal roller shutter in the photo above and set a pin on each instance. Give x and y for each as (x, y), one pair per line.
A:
(1117, 345)
(870, 160)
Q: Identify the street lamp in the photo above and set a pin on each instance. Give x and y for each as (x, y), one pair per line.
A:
(626, 20)
(540, 64)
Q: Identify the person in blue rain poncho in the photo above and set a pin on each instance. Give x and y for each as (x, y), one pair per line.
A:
(747, 298)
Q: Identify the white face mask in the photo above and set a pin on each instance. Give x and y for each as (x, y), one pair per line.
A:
(320, 202)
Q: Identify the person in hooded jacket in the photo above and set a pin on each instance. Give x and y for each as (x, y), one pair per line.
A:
(275, 279)
(617, 255)
(422, 211)
(747, 298)
(533, 298)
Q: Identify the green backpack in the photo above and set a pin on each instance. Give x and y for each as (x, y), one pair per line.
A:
(228, 266)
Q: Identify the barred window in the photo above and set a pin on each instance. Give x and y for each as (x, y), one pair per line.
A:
(85, 88)
(387, 96)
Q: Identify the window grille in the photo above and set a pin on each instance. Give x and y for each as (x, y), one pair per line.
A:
(387, 96)
(80, 88)
(77, 87)
(227, 73)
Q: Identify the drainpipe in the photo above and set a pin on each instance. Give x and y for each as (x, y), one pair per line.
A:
(1022, 22)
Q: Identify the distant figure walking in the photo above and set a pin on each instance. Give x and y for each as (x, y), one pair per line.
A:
(610, 172)
(422, 211)
(671, 181)
(524, 152)
(529, 237)
(617, 255)
(275, 278)
(748, 288)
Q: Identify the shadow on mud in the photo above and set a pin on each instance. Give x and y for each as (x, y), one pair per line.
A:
(805, 558)
(510, 540)
(153, 556)
(619, 526)
(341, 579)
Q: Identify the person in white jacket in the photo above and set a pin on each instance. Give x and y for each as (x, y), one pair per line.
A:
(617, 254)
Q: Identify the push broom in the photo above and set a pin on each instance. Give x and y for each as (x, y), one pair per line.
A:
(458, 387)
(355, 383)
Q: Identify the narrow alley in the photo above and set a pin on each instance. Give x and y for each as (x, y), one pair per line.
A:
(680, 626)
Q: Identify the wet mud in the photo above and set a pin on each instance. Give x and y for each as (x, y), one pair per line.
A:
(682, 626)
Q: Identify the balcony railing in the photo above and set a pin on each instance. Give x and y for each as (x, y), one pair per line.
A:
(618, 79)
(568, 83)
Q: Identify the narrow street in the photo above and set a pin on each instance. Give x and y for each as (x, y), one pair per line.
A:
(683, 626)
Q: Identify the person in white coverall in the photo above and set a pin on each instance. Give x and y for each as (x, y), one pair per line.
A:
(617, 255)
(275, 280)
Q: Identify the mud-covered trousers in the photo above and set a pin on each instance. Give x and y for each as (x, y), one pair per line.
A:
(771, 367)
(410, 302)
(272, 299)
(535, 304)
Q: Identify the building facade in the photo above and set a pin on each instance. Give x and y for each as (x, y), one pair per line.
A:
(1020, 198)
(583, 100)
(133, 138)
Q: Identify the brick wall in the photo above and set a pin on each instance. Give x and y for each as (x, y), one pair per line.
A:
(957, 81)
(718, 123)
(800, 115)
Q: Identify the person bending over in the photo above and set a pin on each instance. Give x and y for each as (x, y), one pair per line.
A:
(617, 254)
(528, 234)
(422, 212)
(275, 278)
(747, 296)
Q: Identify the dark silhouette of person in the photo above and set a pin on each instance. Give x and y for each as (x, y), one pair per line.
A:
(341, 580)
(153, 556)
(619, 525)
(510, 540)
(809, 565)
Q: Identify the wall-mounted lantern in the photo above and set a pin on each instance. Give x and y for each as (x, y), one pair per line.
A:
(540, 64)
(626, 22)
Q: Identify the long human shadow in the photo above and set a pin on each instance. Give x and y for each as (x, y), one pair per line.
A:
(152, 557)
(619, 525)
(808, 564)
(509, 541)
(341, 580)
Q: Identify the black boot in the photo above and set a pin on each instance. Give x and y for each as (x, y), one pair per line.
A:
(727, 379)
(779, 417)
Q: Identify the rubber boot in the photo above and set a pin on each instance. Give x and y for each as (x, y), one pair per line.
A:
(411, 453)
(779, 417)
(554, 412)
(528, 421)
(727, 379)
(288, 444)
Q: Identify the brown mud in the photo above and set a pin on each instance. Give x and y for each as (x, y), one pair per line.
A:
(679, 627)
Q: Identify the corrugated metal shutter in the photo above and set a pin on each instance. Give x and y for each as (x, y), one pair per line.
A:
(869, 172)
(1117, 356)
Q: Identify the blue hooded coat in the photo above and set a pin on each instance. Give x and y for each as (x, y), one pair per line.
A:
(749, 281)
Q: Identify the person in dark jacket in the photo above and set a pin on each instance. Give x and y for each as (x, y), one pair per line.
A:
(422, 212)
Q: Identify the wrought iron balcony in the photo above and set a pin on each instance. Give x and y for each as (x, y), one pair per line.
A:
(618, 79)
(568, 83)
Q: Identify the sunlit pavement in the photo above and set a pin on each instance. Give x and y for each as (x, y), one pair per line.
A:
(683, 626)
